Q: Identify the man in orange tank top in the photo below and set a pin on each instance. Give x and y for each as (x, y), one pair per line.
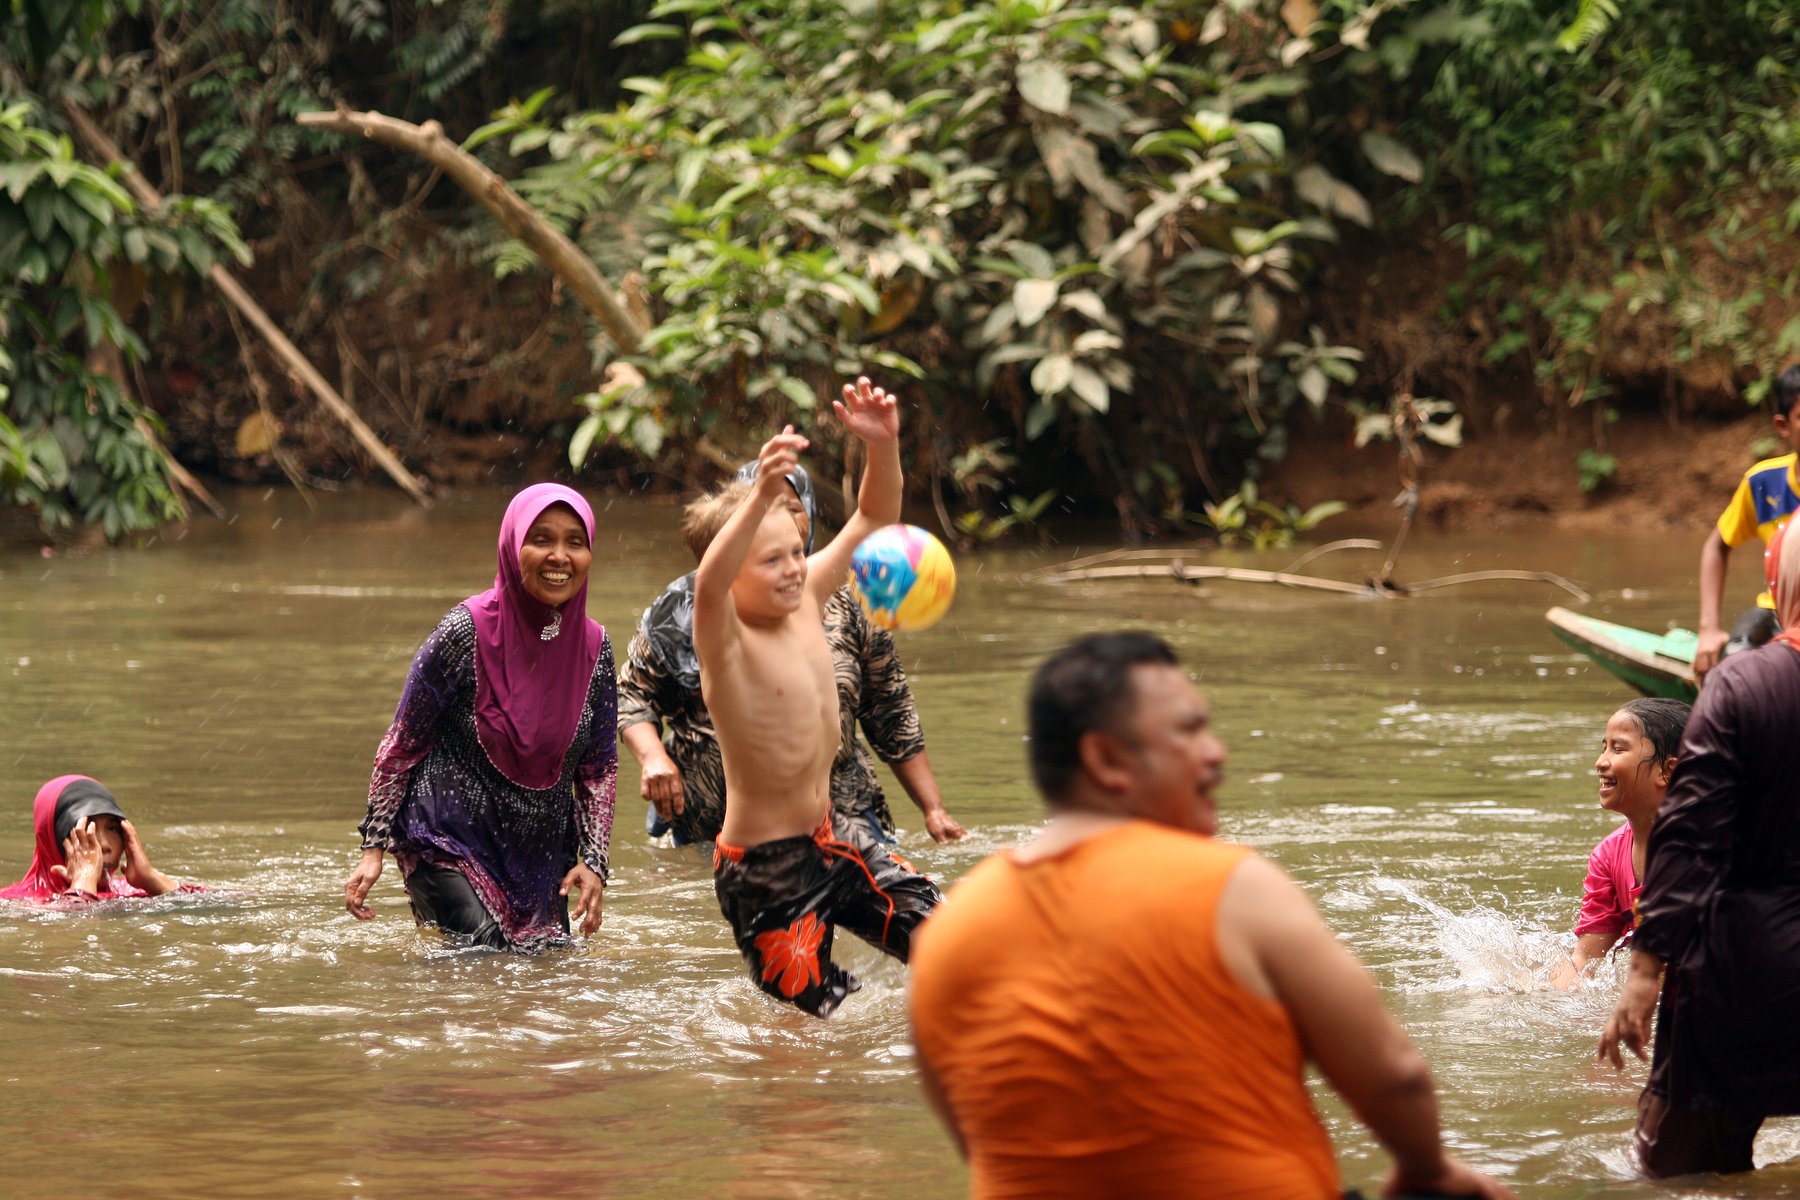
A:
(1124, 1006)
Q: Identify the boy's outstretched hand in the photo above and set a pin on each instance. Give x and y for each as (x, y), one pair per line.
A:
(869, 412)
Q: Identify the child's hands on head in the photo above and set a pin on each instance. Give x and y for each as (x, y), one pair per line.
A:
(139, 873)
(779, 456)
(869, 412)
(84, 858)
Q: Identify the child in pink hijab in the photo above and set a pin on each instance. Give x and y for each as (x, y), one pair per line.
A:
(86, 849)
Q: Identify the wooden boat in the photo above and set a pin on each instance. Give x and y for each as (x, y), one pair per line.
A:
(1656, 664)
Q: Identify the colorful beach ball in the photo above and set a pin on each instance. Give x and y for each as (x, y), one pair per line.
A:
(903, 577)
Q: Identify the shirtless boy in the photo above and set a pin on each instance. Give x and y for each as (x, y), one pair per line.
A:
(786, 868)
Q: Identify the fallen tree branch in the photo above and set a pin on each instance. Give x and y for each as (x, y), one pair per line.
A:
(1061, 571)
(1180, 572)
(183, 477)
(561, 256)
(1331, 547)
(234, 292)
(1567, 585)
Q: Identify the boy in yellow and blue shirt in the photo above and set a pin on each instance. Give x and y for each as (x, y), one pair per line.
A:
(1766, 497)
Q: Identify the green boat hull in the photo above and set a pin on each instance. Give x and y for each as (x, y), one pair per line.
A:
(1656, 664)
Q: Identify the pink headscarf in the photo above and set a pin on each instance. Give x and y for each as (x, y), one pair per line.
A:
(529, 692)
(39, 885)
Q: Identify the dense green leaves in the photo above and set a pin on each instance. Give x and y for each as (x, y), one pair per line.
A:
(74, 446)
(1018, 204)
(1088, 232)
(1615, 173)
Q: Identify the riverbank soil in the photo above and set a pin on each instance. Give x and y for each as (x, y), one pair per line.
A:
(1672, 473)
(473, 380)
(1670, 411)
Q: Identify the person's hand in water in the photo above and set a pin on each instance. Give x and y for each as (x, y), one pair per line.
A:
(660, 784)
(84, 859)
(587, 908)
(1454, 1179)
(943, 827)
(139, 872)
(356, 889)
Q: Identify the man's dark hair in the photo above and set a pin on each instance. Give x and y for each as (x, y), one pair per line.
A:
(1662, 722)
(1786, 392)
(1084, 687)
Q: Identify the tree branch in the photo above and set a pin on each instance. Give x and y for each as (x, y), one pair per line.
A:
(563, 257)
(102, 146)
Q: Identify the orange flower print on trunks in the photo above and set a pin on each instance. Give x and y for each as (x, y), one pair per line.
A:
(793, 954)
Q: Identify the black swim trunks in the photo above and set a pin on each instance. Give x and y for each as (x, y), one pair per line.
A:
(784, 897)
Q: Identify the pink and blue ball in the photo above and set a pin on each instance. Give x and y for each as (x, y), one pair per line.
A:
(903, 577)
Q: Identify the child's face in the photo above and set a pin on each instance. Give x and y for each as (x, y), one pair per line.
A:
(1787, 427)
(112, 841)
(1632, 781)
(773, 577)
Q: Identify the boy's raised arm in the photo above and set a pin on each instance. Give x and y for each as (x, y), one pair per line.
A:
(719, 566)
(873, 416)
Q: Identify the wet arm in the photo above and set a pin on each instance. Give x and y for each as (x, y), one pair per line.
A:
(715, 618)
(640, 727)
(878, 500)
(885, 710)
(1715, 557)
(637, 694)
(1591, 948)
(643, 743)
(920, 784)
(890, 720)
(1338, 1014)
(140, 872)
(1605, 916)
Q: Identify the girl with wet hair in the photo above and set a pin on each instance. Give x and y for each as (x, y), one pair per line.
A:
(1638, 753)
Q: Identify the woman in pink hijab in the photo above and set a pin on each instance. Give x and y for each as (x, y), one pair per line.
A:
(86, 849)
(493, 788)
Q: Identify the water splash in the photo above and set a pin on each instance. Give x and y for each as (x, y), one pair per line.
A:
(1492, 950)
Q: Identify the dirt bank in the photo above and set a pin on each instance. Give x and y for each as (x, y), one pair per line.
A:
(1673, 473)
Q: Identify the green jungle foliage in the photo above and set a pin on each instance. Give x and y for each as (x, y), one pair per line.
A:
(1083, 237)
(1076, 225)
(73, 444)
(1605, 163)
(204, 92)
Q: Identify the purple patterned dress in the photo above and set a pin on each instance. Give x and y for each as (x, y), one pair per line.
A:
(436, 798)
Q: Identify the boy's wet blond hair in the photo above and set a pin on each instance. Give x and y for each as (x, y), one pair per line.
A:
(702, 519)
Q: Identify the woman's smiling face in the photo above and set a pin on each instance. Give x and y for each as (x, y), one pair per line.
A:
(555, 556)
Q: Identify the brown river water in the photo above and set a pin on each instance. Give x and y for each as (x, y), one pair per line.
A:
(1422, 766)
